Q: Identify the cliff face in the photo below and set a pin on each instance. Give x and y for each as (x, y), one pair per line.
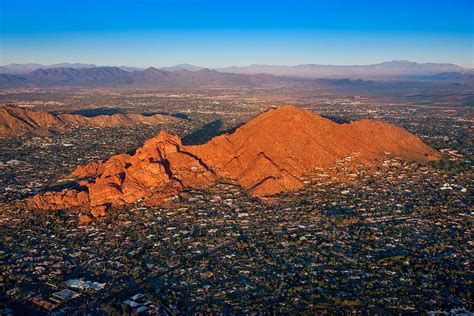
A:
(266, 156)
(16, 121)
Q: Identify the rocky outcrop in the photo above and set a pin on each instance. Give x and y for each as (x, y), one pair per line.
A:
(266, 156)
(16, 121)
(161, 167)
(91, 170)
(59, 200)
(271, 152)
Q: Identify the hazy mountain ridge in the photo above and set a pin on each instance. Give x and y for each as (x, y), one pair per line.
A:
(184, 66)
(115, 76)
(18, 69)
(186, 74)
(392, 69)
(21, 69)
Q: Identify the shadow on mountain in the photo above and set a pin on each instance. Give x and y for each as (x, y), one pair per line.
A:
(70, 185)
(183, 116)
(338, 120)
(99, 111)
(206, 133)
(111, 111)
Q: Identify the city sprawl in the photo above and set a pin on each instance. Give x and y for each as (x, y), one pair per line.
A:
(392, 238)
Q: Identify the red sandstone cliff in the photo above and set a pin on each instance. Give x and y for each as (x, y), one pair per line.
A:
(267, 155)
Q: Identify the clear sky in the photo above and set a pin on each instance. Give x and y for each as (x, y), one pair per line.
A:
(227, 32)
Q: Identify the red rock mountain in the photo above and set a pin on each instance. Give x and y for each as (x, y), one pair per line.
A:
(16, 121)
(267, 155)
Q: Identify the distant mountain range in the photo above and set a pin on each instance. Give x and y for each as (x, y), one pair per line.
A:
(21, 69)
(106, 76)
(67, 74)
(18, 69)
(386, 70)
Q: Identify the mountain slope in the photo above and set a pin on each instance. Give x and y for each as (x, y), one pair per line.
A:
(271, 152)
(267, 155)
(16, 121)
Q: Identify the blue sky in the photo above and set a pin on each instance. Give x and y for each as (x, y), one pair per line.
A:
(223, 33)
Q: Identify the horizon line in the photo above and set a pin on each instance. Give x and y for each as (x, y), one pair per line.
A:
(230, 66)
